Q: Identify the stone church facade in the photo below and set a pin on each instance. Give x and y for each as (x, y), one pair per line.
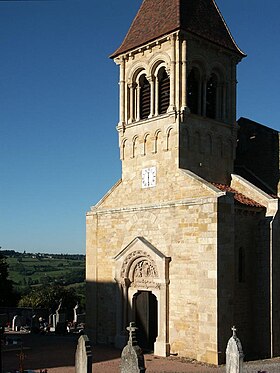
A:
(183, 244)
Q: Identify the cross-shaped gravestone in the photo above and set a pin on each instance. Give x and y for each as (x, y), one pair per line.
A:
(234, 354)
(132, 360)
(132, 334)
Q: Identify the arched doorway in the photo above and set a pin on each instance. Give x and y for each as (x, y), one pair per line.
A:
(142, 275)
(145, 309)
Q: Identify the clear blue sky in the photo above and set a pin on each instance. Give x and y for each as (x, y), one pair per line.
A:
(59, 107)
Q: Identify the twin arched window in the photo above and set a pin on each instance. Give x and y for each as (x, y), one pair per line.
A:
(206, 97)
(149, 96)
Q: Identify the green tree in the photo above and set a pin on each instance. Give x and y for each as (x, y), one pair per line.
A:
(7, 293)
(49, 297)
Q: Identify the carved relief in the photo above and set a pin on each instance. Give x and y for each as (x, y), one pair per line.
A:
(141, 270)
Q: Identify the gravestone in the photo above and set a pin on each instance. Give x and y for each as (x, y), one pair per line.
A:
(35, 325)
(76, 311)
(83, 357)
(54, 320)
(16, 323)
(61, 324)
(234, 354)
(132, 359)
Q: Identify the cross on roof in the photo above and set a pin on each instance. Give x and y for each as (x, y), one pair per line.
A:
(234, 331)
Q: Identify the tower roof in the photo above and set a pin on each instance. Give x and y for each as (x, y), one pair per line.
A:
(157, 18)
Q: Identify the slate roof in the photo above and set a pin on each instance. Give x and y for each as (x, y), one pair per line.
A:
(239, 197)
(157, 18)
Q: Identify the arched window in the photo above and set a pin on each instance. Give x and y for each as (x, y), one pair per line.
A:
(211, 96)
(145, 97)
(163, 91)
(193, 91)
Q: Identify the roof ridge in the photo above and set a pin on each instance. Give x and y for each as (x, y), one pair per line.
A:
(227, 28)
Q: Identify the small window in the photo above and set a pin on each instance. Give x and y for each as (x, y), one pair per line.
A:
(164, 91)
(145, 97)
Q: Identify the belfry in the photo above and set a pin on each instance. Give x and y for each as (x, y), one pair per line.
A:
(182, 245)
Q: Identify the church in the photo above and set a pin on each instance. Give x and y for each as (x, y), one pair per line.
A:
(186, 243)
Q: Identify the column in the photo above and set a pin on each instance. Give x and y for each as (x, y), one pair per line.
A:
(131, 102)
(156, 94)
(232, 114)
(178, 68)
(204, 94)
(224, 115)
(122, 92)
(151, 80)
(172, 74)
(184, 75)
(138, 88)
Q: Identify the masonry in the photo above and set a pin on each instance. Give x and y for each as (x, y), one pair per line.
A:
(181, 245)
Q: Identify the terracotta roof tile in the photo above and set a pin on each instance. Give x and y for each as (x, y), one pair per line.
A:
(157, 18)
(239, 197)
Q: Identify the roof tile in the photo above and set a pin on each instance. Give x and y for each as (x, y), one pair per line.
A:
(239, 197)
(158, 18)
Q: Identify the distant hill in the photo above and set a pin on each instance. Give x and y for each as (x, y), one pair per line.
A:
(28, 270)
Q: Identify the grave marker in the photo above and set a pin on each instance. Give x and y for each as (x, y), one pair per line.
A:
(132, 359)
(234, 354)
(83, 357)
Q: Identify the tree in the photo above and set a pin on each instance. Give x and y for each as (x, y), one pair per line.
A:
(49, 297)
(7, 293)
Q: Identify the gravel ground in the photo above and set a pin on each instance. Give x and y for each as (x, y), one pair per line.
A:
(57, 353)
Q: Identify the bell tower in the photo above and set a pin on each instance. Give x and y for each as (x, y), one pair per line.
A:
(177, 92)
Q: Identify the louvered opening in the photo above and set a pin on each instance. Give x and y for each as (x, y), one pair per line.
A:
(193, 91)
(211, 96)
(145, 98)
(164, 93)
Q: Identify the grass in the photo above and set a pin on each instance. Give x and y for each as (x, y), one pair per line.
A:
(34, 271)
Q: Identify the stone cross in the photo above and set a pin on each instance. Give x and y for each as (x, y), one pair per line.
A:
(132, 359)
(132, 334)
(83, 357)
(234, 354)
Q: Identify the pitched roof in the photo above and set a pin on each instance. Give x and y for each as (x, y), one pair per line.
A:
(157, 18)
(239, 197)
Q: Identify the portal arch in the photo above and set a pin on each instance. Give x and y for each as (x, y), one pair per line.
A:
(140, 267)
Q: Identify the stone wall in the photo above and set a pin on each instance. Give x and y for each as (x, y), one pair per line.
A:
(258, 151)
(184, 229)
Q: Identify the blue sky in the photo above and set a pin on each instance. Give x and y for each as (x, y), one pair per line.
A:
(59, 108)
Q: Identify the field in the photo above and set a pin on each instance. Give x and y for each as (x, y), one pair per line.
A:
(28, 270)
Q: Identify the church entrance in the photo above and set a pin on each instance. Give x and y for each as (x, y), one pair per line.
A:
(145, 307)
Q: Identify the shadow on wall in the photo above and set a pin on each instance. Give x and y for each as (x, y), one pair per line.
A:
(244, 278)
(107, 303)
(257, 155)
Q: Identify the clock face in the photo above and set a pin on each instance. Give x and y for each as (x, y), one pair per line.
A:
(149, 177)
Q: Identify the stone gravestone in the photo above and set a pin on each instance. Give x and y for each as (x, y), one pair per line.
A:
(60, 326)
(83, 357)
(16, 323)
(132, 359)
(234, 354)
(76, 310)
(35, 325)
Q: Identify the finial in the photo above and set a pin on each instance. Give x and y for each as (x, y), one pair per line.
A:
(132, 333)
(234, 331)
